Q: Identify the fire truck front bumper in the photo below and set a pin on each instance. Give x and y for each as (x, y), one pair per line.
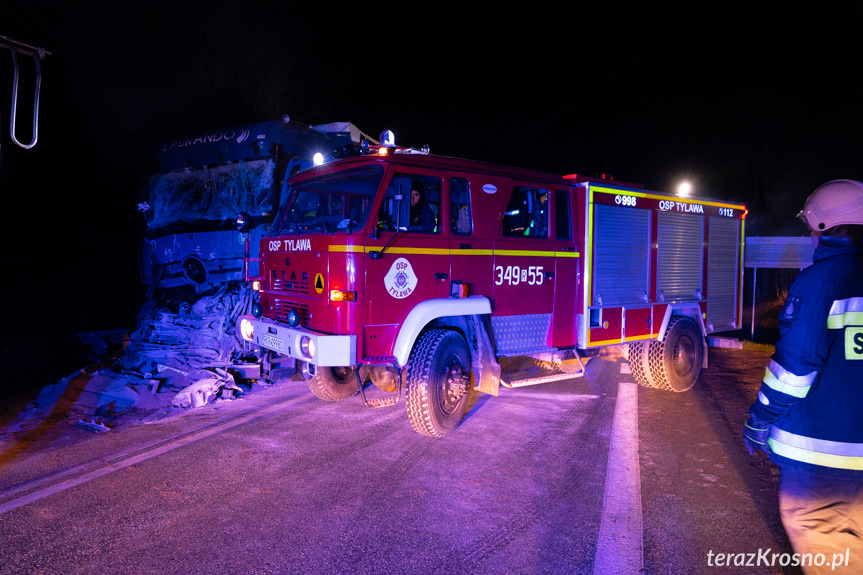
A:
(298, 343)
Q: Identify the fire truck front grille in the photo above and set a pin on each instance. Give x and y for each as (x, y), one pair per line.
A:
(282, 281)
(281, 308)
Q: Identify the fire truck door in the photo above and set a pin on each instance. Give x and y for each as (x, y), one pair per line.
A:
(409, 260)
(471, 249)
(524, 273)
(566, 266)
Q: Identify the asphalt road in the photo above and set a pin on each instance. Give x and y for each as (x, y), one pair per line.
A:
(281, 482)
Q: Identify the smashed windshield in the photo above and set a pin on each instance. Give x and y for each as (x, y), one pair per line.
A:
(209, 198)
(331, 203)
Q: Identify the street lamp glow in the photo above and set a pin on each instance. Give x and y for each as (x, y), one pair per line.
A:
(684, 189)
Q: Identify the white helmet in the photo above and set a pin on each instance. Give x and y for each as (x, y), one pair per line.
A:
(834, 204)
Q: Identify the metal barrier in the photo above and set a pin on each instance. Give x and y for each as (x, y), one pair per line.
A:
(38, 55)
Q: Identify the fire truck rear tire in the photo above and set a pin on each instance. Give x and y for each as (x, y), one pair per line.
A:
(334, 383)
(638, 362)
(675, 362)
(438, 376)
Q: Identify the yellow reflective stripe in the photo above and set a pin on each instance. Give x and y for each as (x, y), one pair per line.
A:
(778, 378)
(419, 251)
(602, 190)
(542, 254)
(845, 319)
(845, 312)
(852, 462)
(446, 252)
(827, 446)
(347, 249)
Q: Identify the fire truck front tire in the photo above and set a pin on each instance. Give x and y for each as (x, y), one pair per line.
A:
(437, 382)
(334, 383)
(675, 362)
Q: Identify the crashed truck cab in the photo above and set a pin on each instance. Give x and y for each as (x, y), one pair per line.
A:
(510, 262)
(202, 182)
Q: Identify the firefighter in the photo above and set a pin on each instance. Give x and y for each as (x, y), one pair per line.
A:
(809, 413)
(422, 218)
(539, 219)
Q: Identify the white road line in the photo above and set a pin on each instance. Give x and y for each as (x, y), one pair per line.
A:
(110, 467)
(620, 548)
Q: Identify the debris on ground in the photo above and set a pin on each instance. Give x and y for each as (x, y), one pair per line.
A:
(178, 358)
(94, 426)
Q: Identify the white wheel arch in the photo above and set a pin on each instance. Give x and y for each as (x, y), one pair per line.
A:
(427, 311)
(693, 312)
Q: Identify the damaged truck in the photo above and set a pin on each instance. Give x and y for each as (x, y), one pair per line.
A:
(192, 255)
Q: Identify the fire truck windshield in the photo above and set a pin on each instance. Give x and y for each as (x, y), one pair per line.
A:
(209, 198)
(335, 202)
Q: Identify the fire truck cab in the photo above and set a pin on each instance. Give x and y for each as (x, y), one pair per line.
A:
(420, 272)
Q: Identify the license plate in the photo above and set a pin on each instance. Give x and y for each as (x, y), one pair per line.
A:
(273, 342)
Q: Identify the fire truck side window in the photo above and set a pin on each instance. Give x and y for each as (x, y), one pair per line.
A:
(459, 198)
(412, 202)
(527, 213)
(562, 218)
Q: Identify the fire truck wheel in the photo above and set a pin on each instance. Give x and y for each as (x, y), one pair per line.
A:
(638, 361)
(438, 379)
(334, 383)
(675, 362)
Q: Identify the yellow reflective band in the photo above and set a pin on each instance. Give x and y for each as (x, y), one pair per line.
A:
(845, 319)
(542, 254)
(786, 376)
(845, 312)
(603, 190)
(854, 343)
(348, 249)
(799, 388)
(449, 252)
(419, 251)
(852, 462)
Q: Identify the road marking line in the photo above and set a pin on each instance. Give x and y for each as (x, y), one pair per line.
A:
(620, 548)
(112, 466)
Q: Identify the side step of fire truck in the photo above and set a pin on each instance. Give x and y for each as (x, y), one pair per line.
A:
(567, 373)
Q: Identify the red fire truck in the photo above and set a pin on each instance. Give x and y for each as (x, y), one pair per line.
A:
(509, 262)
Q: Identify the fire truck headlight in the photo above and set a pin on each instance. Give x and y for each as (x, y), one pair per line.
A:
(257, 310)
(293, 318)
(247, 330)
(318, 159)
(307, 346)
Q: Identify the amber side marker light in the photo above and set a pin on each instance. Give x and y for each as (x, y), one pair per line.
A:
(339, 295)
(459, 290)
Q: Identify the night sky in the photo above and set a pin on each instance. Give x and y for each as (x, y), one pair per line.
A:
(754, 104)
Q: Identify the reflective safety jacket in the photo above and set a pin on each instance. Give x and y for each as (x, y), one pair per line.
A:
(812, 392)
